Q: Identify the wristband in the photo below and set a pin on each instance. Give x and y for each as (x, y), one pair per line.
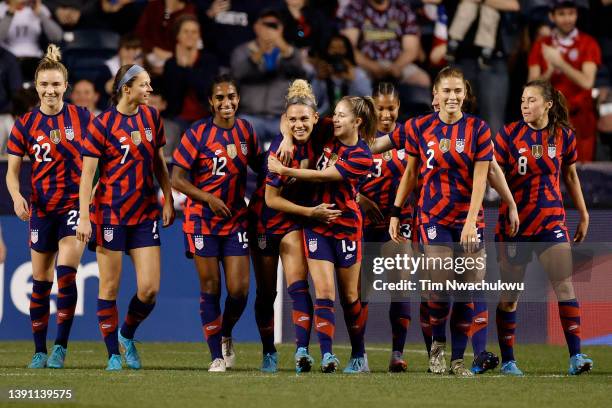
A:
(396, 211)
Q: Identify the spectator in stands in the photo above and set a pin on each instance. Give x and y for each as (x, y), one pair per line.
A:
(121, 16)
(231, 20)
(24, 100)
(10, 79)
(84, 94)
(305, 27)
(264, 68)
(189, 74)
(337, 75)
(23, 24)
(569, 59)
(71, 14)
(173, 129)
(130, 52)
(385, 37)
(155, 30)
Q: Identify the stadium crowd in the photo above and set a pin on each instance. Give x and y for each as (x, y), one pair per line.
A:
(342, 47)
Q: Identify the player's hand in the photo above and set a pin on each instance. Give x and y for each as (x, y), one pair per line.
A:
(552, 55)
(581, 229)
(83, 232)
(275, 166)
(514, 221)
(469, 238)
(285, 149)
(218, 6)
(324, 213)
(168, 213)
(394, 231)
(21, 208)
(371, 209)
(218, 207)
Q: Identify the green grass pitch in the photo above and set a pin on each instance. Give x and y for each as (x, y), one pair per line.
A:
(174, 375)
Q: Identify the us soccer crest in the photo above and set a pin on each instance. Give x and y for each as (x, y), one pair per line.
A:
(333, 159)
(312, 245)
(401, 154)
(552, 151)
(261, 241)
(431, 232)
(149, 134)
(537, 151)
(244, 148)
(69, 133)
(231, 150)
(136, 137)
(512, 250)
(459, 145)
(387, 155)
(108, 234)
(56, 136)
(444, 145)
(34, 236)
(198, 241)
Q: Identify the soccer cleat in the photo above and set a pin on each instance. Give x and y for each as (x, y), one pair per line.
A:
(356, 365)
(579, 364)
(270, 363)
(458, 369)
(330, 363)
(437, 360)
(303, 360)
(39, 360)
(484, 361)
(217, 366)
(57, 357)
(397, 363)
(227, 349)
(510, 368)
(130, 353)
(114, 363)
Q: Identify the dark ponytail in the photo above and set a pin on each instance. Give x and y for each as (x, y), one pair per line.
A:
(558, 114)
(384, 89)
(469, 103)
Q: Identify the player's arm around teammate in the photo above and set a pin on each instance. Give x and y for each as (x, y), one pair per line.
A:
(51, 136)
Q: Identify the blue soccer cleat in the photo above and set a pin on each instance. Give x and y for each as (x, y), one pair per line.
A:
(330, 363)
(356, 365)
(579, 364)
(484, 361)
(39, 360)
(269, 363)
(131, 354)
(303, 360)
(114, 363)
(510, 368)
(57, 357)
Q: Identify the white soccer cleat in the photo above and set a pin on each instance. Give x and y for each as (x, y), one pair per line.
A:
(437, 360)
(217, 366)
(227, 349)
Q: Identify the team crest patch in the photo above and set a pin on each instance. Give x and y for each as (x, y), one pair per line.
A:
(108, 234)
(552, 151)
(312, 245)
(149, 134)
(401, 154)
(459, 145)
(333, 159)
(573, 54)
(34, 236)
(244, 148)
(537, 151)
(261, 241)
(512, 250)
(431, 232)
(387, 155)
(56, 136)
(444, 145)
(231, 150)
(69, 133)
(136, 137)
(198, 241)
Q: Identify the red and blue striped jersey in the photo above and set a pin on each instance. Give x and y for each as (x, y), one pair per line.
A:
(126, 147)
(447, 155)
(354, 163)
(265, 220)
(532, 162)
(387, 171)
(53, 144)
(217, 160)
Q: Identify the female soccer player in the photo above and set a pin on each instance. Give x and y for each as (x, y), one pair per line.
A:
(336, 247)
(275, 225)
(214, 153)
(125, 142)
(534, 152)
(51, 135)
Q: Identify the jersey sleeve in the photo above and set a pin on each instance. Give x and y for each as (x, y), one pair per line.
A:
(398, 137)
(95, 139)
(484, 145)
(593, 52)
(256, 155)
(570, 152)
(187, 151)
(501, 148)
(17, 144)
(412, 139)
(358, 163)
(274, 179)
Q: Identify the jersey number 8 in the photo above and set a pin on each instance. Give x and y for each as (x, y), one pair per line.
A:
(522, 165)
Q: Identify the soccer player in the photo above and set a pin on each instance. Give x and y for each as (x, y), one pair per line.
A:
(51, 136)
(534, 152)
(214, 154)
(336, 247)
(126, 143)
(277, 212)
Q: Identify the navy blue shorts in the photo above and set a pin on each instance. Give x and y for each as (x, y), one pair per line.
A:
(235, 244)
(438, 234)
(519, 250)
(125, 237)
(266, 244)
(47, 231)
(343, 253)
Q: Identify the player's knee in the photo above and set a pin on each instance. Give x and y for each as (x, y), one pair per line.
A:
(210, 286)
(148, 294)
(507, 306)
(564, 290)
(108, 291)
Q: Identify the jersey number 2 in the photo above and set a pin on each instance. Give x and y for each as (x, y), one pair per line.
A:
(45, 155)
